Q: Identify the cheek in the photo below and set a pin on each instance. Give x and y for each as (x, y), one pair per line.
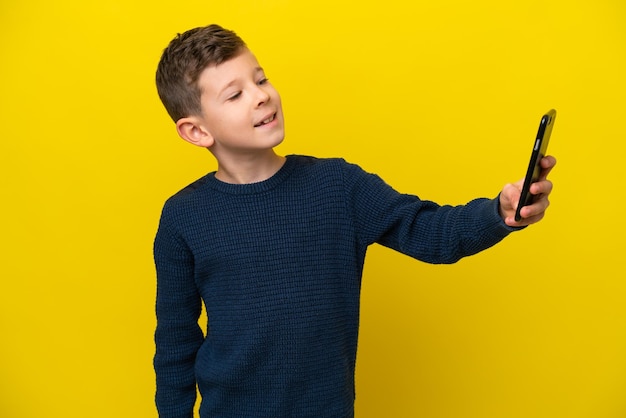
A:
(230, 119)
(277, 95)
(277, 100)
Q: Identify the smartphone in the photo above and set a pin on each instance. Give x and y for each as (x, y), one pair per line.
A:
(539, 151)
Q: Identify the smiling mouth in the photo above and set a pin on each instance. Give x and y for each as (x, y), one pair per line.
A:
(266, 121)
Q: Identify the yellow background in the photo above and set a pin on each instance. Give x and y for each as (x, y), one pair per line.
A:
(441, 99)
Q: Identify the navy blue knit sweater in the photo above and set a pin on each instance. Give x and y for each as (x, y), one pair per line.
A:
(278, 265)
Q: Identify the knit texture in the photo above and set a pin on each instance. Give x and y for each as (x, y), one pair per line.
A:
(278, 265)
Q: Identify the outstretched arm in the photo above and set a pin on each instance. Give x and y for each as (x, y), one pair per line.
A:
(510, 195)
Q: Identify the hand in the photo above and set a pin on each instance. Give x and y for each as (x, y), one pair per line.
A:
(510, 195)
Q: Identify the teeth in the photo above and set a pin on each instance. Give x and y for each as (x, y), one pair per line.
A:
(268, 120)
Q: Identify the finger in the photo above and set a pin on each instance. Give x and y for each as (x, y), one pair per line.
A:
(532, 219)
(526, 220)
(511, 193)
(543, 187)
(537, 208)
(547, 163)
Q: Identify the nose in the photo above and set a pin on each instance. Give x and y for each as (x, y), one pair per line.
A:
(262, 96)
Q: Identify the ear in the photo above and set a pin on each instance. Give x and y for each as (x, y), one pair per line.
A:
(192, 130)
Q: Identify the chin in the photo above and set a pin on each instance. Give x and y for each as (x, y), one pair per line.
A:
(279, 138)
(278, 142)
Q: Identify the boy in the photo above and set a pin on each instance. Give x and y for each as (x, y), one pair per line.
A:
(274, 246)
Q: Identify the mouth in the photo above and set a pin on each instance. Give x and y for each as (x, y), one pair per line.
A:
(266, 121)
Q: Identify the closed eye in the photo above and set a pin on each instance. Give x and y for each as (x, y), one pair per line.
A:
(262, 81)
(234, 96)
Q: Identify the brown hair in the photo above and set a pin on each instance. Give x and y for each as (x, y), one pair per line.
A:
(183, 61)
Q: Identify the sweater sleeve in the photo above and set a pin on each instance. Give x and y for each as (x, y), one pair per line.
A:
(419, 228)
(178, 335)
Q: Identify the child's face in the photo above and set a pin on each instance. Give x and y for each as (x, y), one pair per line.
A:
(240, 108)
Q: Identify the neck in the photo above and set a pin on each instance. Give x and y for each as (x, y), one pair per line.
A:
(248, 169)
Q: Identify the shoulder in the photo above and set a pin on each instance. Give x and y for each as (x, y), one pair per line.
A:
(327, 165)
(325, 171)
(187, 197)
(189, 190)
